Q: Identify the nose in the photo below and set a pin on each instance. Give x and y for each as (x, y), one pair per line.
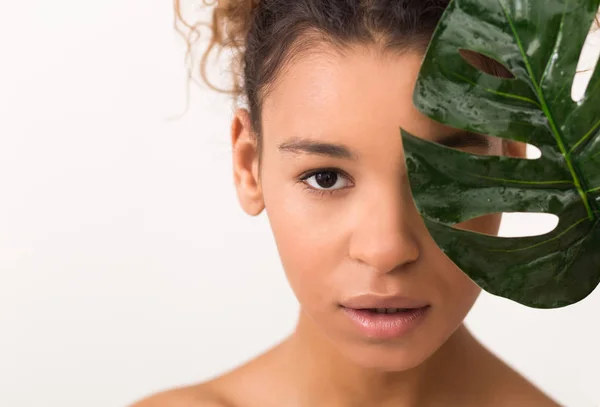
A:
(382, 237)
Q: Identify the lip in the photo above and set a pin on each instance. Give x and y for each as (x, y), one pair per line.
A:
(384, 326)
(370, 301)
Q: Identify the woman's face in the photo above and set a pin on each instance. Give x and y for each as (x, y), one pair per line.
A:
(334, 185)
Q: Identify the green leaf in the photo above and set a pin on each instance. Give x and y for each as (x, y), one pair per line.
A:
(540, 42)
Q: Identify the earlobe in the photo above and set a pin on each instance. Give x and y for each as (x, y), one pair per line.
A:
(245, 163)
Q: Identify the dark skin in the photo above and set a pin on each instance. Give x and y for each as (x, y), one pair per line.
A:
(339, 112)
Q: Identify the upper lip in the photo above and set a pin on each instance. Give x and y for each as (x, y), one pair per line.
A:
(370, 301)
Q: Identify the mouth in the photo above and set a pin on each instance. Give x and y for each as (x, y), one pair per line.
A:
(380, 303)
(389, 317)
(386, 323)
(386, 310)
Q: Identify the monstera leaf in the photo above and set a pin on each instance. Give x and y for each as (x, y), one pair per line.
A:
(539, 42)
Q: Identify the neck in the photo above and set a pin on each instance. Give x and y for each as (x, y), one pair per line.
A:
(326, 377)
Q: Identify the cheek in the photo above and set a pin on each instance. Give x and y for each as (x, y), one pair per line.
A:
(455, 288)
(451, 289)
(308, 238)
(457, 295)
(464, 289)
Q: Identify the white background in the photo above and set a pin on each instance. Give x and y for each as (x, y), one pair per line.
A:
(126, 265)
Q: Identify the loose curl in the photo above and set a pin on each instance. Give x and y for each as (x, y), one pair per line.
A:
(229, 26)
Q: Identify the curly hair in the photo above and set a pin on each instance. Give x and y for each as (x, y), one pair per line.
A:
(229, 25)
(266, 34)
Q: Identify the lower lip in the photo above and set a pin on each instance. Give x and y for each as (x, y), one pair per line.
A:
(386, 326)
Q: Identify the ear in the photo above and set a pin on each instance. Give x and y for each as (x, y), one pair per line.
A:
(246, 157)
(516, 149)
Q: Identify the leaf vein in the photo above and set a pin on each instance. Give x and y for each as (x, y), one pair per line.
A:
(515, 181)
(548, 114)
(495, 92)
(585, 137)
(556, 45)
(545, 241)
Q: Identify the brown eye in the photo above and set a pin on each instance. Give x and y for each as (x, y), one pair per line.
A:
(326, 180)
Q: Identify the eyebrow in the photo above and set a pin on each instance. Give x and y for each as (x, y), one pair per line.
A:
(465, 139)
(307, 146)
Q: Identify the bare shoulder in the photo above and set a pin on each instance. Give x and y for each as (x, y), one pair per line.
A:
(524, 394)
(202, 395)
(234, 388)
(506, 387)
(241, 386)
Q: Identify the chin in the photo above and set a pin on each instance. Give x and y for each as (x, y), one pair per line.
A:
(389, 357)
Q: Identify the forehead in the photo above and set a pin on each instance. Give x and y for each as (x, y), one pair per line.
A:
(350, 95)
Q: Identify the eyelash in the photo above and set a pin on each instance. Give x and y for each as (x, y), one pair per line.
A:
(321, 192)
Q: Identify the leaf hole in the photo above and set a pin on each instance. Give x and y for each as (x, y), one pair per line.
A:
(480, 144)
(588, 59)
(519, 149)
(518, 224)
(533, 153)
(513, 224)
(485, 64)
